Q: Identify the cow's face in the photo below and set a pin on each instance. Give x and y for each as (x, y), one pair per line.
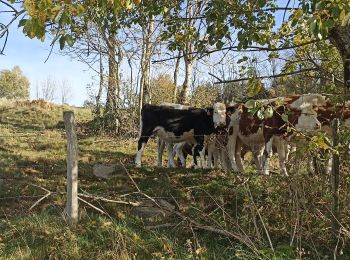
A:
(219, 114)
(307, 121)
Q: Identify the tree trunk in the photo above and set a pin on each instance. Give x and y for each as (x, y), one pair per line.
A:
(340, 38)
(111, 104)
(185, 92)
(146, 62)
(99, 93)
(176, 75)
(147, 50)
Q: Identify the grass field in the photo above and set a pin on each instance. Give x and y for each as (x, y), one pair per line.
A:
(152, 213)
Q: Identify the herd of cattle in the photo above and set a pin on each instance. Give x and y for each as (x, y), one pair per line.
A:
(225, 132)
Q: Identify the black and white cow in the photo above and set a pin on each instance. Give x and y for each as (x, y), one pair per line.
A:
(176, 125)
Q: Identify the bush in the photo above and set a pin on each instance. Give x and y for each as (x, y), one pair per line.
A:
(13, 84)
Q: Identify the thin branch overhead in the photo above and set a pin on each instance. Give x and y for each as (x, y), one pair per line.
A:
(266, 77)
(248, 49)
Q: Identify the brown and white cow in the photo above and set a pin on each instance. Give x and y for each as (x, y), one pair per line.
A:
(261, 134)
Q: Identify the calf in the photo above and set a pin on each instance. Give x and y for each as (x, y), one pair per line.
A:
(176, 125)
(260, 134)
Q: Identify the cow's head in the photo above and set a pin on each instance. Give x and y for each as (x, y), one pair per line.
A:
(219, 114)
(307, 104)
(308, 121)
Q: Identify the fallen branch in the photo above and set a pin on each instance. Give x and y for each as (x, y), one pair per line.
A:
(39, 200)
(165, 225)
(42, 198)
(92, 206)
(91, 196)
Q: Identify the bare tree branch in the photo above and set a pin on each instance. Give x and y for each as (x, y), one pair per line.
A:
(268, 77)
(249, 49)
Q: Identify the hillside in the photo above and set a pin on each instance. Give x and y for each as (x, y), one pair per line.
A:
(150, 213)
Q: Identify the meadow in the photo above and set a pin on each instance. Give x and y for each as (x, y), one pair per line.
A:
(152, 212)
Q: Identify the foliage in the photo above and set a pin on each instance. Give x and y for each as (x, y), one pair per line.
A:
(322, 16)
(13, 84)
(254, 20)
(324, 79)
(204, 95)
(162, 89)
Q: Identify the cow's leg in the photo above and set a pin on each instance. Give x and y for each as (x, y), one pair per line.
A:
(231, 149)
(194, 157)
(202, 155)
(282, 155)
(216, 158)
(257, 160)
(140, 147)
(266, 157)
(225, 160)
(171, 162)
(211, 152)
(201, 149)
(161, 145)
(178, 149)
(237, 156)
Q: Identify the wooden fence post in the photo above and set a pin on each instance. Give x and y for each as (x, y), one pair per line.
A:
(335, 179)
(71, 209)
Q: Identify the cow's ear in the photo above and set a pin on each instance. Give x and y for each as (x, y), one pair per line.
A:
(210, 111)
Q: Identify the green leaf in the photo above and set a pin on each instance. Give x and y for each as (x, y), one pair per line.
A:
(298, 14)
(268, 112)
(251, 103)
(62, 41)
(22, 22)
(244, 58)
(285, 117)
(254, 87)
(262, 3)
(219, 45)
(260, 114)
(56, 8)
(69, 40)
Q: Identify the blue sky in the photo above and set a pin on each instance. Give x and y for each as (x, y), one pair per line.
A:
(30, 55)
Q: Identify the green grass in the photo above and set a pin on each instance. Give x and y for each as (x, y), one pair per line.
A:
(292, 212)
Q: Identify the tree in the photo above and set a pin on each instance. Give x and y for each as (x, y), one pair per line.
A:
(47, 89)
(65, 91)
(13, 84)
(162, 89)
(254, 21)
(204, 95)
(326, 78)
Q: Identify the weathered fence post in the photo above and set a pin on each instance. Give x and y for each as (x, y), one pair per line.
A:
(335, 179)
(71, 209)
